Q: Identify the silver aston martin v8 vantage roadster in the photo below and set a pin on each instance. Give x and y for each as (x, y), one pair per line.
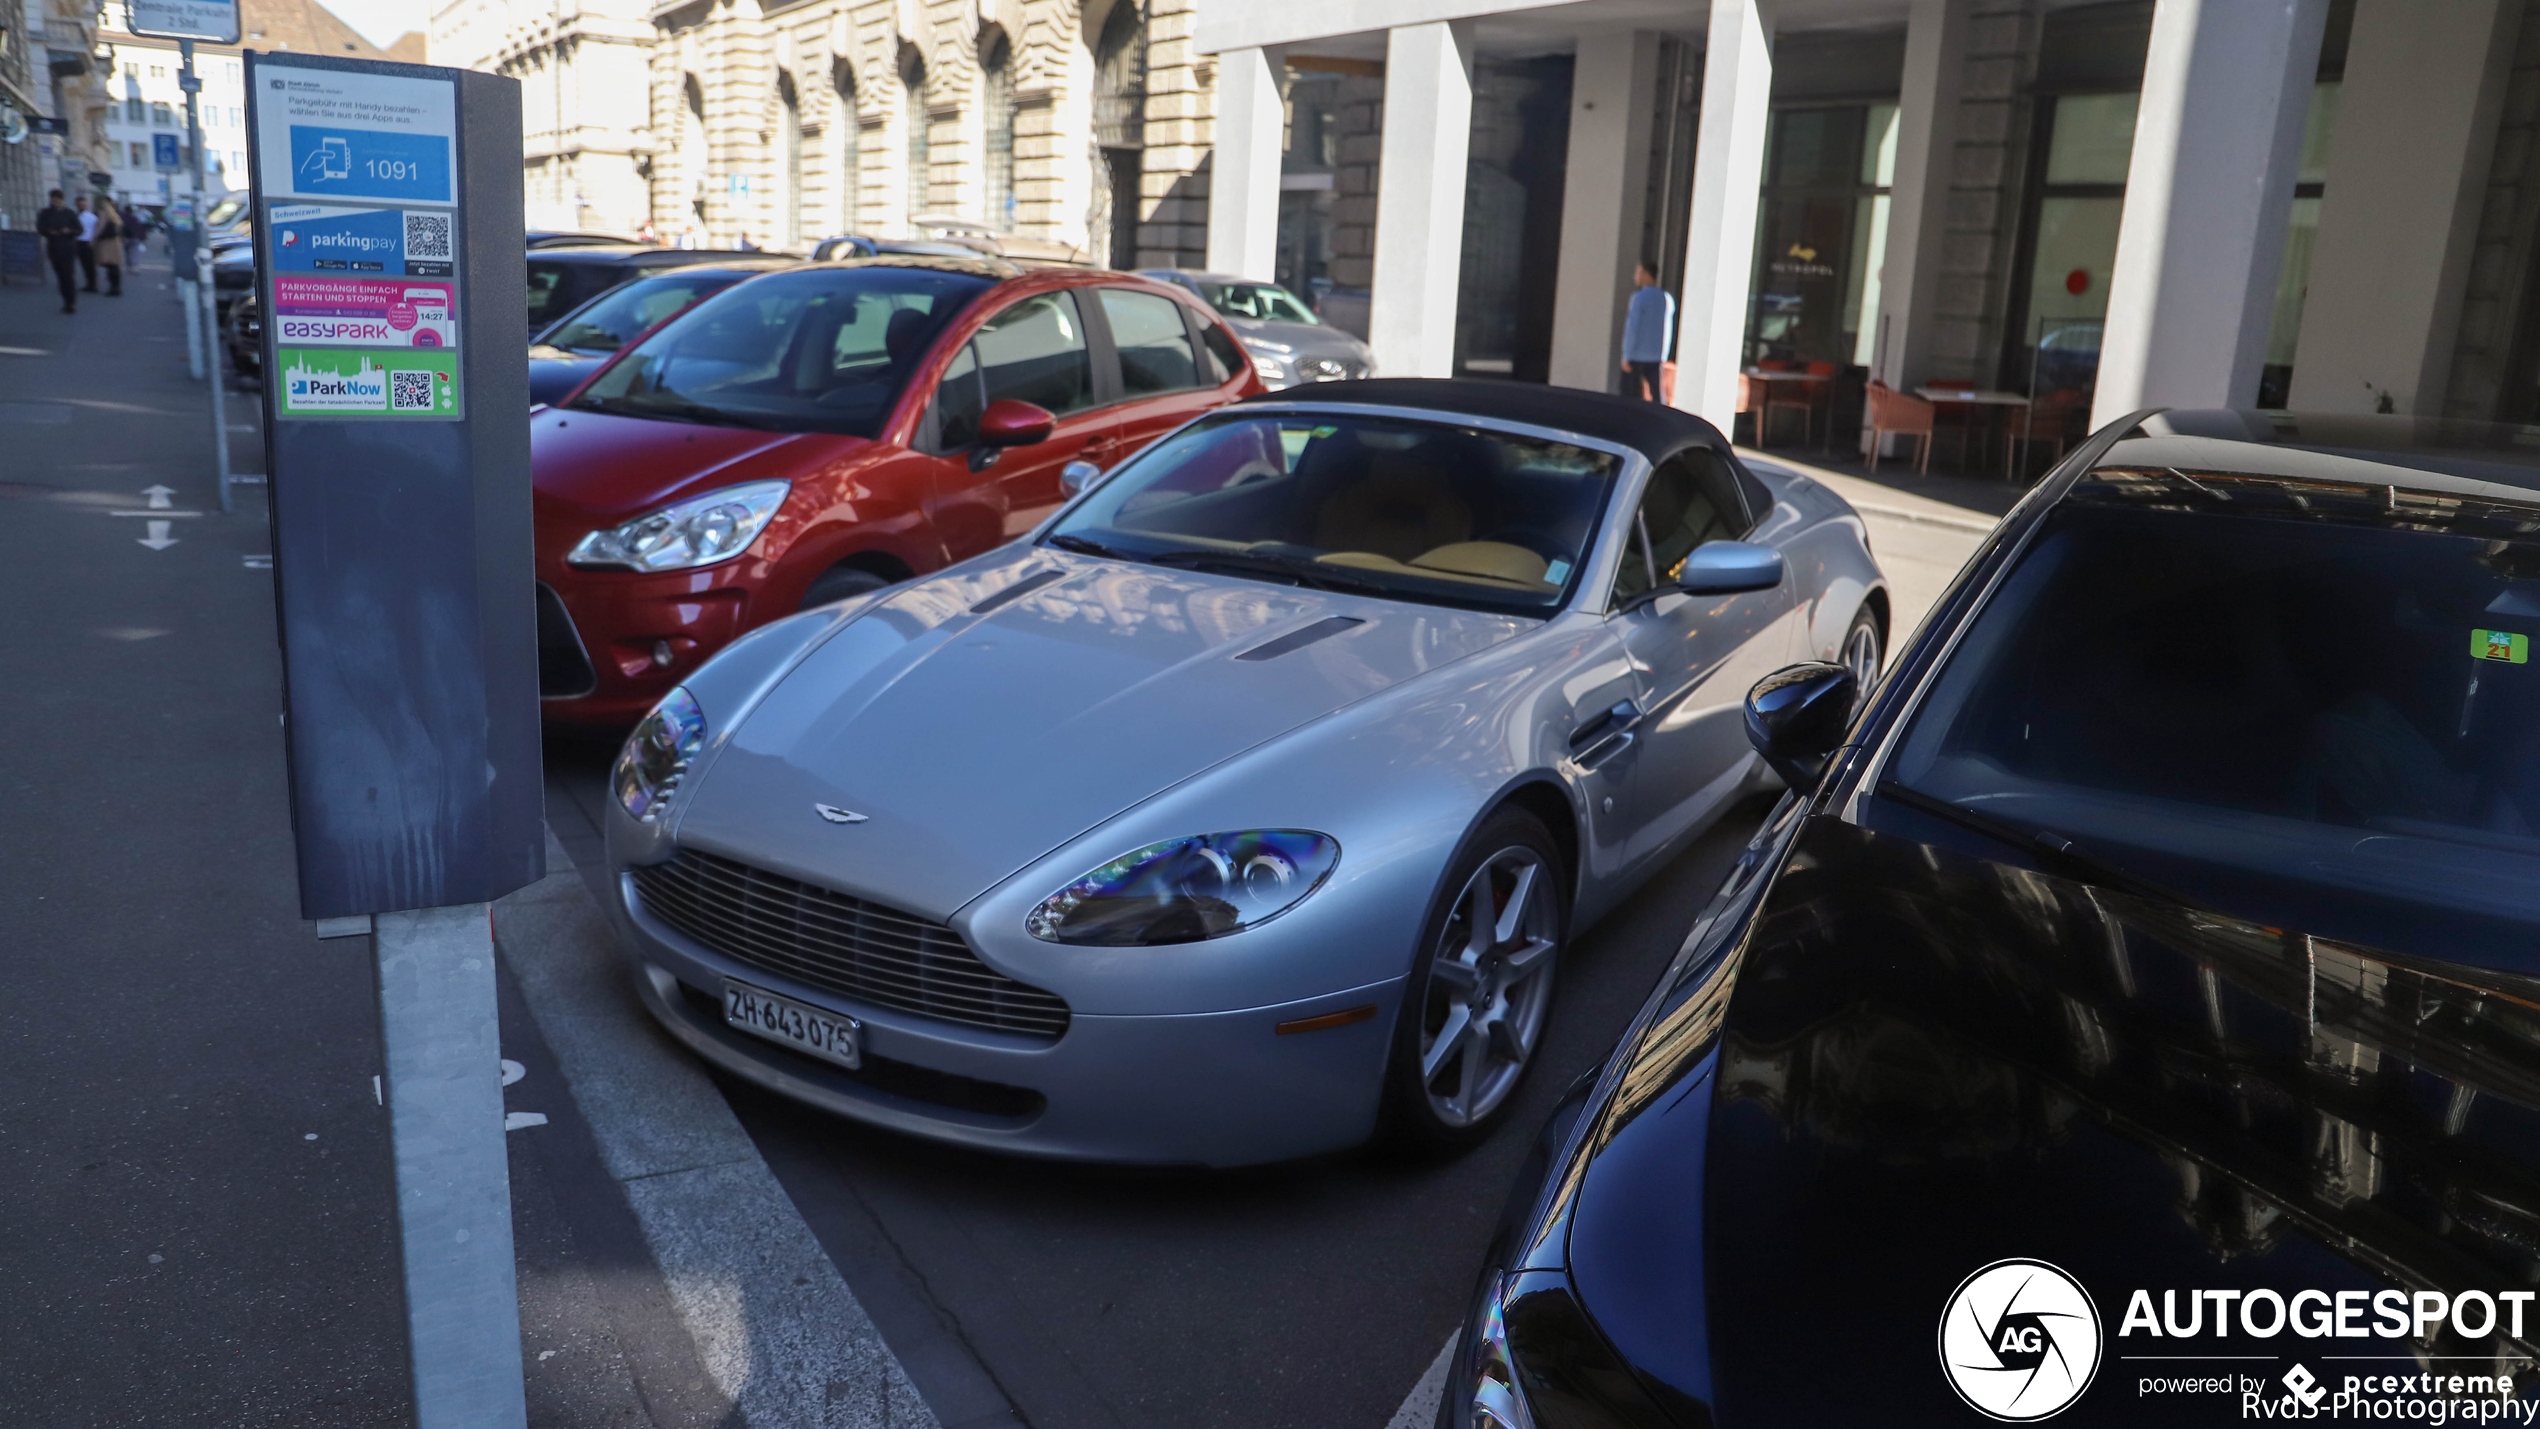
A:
(1243, 809)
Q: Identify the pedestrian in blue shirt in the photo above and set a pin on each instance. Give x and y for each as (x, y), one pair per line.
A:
(1649, 329)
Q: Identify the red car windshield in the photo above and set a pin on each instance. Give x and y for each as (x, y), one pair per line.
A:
(827, 350)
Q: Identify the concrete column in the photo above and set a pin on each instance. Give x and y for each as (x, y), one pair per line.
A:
(2407, 175)
(1420, 199)
(1728, 174)
(2226, 84)
(1243, 191)
(1604, 199)
(1918, 200)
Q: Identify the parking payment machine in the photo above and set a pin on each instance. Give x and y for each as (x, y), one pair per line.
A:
(396, 399)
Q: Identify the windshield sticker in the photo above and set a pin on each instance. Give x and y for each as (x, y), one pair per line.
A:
(1556, 573)
(2500, 645)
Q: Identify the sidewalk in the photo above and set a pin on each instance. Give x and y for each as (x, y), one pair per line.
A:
(195, 1190)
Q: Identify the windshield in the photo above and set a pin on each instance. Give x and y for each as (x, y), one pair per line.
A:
(611, 321)
(2209, 675)
(826, 350)
(1257, 300)
(1410, 510)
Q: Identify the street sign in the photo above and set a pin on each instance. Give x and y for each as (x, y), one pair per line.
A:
(163, 151)
(213, 20)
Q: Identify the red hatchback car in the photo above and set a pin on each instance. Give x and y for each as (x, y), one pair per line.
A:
(829, 429)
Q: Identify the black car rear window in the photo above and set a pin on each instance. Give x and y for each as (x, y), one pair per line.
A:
(2321, 682)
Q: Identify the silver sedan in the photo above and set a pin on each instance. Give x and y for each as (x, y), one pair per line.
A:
(1289, 345)
(1247, 806)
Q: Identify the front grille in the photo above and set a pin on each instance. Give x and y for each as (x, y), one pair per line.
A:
(564, 667)
(899, 1079)
(844, 944)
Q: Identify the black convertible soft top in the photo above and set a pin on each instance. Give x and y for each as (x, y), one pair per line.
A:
(1655, 431)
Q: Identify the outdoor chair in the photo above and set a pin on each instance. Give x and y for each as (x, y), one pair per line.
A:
(2056, 417)
(1894, 413)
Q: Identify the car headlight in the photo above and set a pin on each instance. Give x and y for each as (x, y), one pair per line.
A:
(1497, 1401)
(1189, 889)
(1321, 369)
(1270, 368)
(656, 755)
(696, 532)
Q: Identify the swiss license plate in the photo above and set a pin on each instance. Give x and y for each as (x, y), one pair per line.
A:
(781, 1019)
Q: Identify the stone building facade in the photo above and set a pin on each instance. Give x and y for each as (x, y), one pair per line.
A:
(1080, 122)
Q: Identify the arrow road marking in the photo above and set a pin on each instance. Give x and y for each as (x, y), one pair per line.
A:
(158, 539)
(158, 496)
(515, 1120)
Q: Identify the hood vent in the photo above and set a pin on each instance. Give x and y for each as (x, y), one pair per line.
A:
(1017, 591)
(1301, 637)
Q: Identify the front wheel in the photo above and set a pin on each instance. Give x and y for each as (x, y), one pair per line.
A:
(1476, 1003)
(1863, 651)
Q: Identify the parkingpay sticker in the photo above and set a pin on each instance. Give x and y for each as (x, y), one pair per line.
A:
(2500, 645)
(359, 242)
(322, 382)
(363, 312)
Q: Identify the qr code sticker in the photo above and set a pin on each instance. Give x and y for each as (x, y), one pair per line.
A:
(410, 391)
(427, 235)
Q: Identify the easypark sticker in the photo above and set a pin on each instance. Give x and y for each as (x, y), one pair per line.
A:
(320, 382)
(364, 312)
(2500, 645)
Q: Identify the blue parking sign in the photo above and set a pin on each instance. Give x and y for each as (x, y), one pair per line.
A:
(163, 150)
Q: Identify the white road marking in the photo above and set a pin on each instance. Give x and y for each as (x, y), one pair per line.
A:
(375, 1095)
(515, 1120)
(159, 496)
(130, 632)
(157, 515)
(513, 1071)
(158, 539)
(23, 352)
(1420, 1409)
(256, 563)
(312, 1136)
(775, 1326)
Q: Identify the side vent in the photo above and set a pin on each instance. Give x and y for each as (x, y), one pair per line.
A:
(1017, 591)
(1300, 637)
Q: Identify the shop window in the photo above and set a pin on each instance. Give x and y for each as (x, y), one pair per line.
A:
(1821, 234)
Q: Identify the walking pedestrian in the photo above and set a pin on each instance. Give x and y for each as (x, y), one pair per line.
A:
(109, 245)
(136, 231)
(1649, 324)
(59, 227)
(87, 244)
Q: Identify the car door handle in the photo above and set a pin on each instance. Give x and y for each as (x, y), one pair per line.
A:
(1617, 720)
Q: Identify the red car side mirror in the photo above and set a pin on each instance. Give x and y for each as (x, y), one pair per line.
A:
(1008, 423)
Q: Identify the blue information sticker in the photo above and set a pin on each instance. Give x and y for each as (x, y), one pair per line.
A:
(370, 163)
(357, 242)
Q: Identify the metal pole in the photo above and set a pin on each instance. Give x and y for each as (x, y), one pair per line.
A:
(444, 1086)
(192, 84)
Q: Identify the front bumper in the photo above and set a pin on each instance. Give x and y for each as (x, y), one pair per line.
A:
(1216, 1089)
(603, 635)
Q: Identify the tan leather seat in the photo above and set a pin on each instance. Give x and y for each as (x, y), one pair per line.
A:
(1493, 560)
(1401, 508)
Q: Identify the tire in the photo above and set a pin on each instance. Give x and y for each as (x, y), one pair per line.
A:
(841, 583)
(1474, 1010)
(1863, 651)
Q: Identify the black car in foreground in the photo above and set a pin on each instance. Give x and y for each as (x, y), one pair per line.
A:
(2133, 1013)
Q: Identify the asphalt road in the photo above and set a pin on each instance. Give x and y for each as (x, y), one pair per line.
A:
(1310, 1295)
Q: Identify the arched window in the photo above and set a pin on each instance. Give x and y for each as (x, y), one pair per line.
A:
(793, 120)
(996, 63)
(920, 142)
(1120, 130)
(850, 138)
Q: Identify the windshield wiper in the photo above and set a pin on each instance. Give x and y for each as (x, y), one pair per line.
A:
(1087, 546)
(2045, 845)
(1312, 574)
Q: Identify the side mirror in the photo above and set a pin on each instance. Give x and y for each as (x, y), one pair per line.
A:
(1076, 476)
(1796, 718)
(1008, 423)
(1730, 567)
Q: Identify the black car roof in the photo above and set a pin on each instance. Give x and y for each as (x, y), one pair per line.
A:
(1655, 431)
(2422, 453)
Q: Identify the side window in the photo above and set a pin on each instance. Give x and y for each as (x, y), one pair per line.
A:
(1225, 355)
(547, 283)
(1035, 352)
(1154, 344)
(957, 402)
(1680, 510)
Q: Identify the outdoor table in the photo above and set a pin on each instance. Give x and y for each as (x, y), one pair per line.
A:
(1776, 374)
(1973, 399)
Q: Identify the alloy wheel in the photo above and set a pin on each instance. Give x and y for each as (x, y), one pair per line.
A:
(1490, 981)
(1861, 657)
